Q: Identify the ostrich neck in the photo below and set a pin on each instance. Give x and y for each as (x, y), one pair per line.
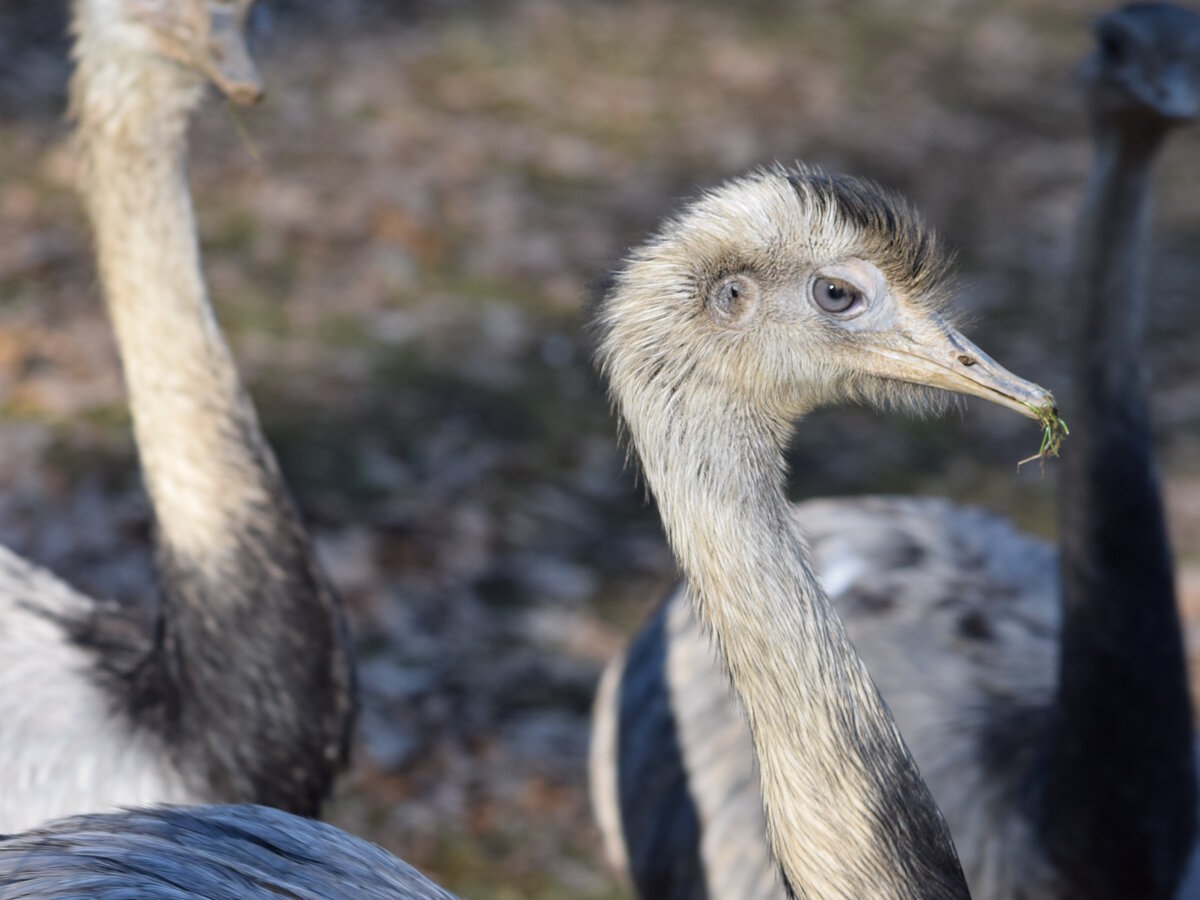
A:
(190, 417)
(1108, 294)
(247, 624)
(846, 808)
(1124, 715)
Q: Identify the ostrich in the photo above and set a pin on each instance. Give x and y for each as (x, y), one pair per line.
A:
(1045, 700)
(241, 687)
(779, 292)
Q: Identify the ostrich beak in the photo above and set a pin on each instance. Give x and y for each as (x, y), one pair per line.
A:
(208, 36)
(226, 59)
(933, 353)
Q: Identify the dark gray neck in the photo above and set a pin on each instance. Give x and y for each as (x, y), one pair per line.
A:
(1120, 791)
(1107, 294)
(254, 677)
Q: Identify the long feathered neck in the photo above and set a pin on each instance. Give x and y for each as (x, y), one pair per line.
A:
(252, 676)
(848, 813)
(1120, 795)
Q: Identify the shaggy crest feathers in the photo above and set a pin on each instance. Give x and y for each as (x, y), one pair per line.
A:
(892, 233)
(760, 222)
(757, 211)
(768, 222)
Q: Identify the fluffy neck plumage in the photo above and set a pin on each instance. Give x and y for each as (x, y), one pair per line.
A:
(1120, 793)
(252, 675)
(848, 813)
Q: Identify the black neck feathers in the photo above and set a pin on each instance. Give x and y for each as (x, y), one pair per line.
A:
(1120, 800)
(251, 675)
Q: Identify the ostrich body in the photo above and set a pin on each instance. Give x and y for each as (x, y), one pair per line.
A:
(240, 686)
(778, 292)
(1044, 699)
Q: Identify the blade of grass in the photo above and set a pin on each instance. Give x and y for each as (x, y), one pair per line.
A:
(1054, 430)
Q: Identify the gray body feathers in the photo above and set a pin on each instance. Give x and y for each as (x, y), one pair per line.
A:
(173, 853)
(67, 743)
(955, 614)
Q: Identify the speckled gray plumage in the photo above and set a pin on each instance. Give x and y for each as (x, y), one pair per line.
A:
(953, 611)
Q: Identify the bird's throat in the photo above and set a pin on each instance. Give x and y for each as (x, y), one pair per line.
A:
(806, 693)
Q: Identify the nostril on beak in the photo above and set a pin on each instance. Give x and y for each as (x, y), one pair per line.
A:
(966, 359)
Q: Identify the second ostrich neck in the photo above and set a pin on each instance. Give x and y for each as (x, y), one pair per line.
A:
(251, 672)
(846, 830)
(1108, 294)
(1120, 796)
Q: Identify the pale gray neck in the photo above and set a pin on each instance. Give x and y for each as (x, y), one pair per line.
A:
(197, 435)
(251, 676)
(846, 808)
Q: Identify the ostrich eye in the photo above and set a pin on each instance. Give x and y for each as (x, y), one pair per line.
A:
(834, 295)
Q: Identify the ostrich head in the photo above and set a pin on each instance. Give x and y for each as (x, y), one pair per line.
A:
(1145, 71)
(783, 291)
(205, 36)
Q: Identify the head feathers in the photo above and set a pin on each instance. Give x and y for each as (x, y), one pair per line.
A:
(774, 222)
(891, 232)
(775, 213)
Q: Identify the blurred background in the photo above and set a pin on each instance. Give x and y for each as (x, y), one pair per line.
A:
(400, 241)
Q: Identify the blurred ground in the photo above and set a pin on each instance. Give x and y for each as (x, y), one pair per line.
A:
(399, 242)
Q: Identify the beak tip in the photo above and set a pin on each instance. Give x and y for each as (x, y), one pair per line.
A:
(247, 94)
